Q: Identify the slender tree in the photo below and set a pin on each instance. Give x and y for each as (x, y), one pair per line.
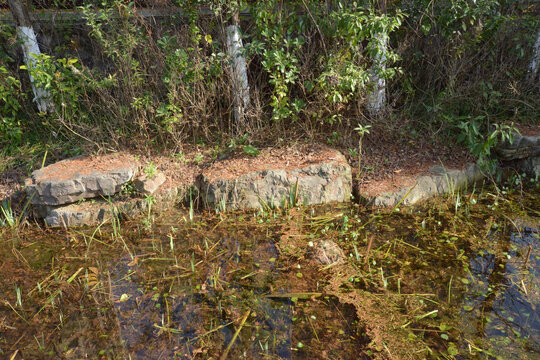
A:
(30, 47)
(376, 99)
(239, 77)
(535, 61)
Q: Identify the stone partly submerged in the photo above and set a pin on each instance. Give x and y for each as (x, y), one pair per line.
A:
(523, 154)
(326, 252)
(73, 179)
(522, 147)
(438, 180)
(79, 191)
(96, 211)
(320, 182)
(84, 191)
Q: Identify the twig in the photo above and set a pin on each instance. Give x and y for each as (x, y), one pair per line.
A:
(528, 256)
(314, 331)
(14, 354)
(211, 331)
(450, 288)
(317, 26)
(244, 318)
(306, 295)
(369, 247)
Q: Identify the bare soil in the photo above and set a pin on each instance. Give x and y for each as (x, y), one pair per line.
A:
(293, 157)
(386, 165)
(67, 169)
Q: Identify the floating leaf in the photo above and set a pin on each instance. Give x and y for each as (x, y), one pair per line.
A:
(133, 262)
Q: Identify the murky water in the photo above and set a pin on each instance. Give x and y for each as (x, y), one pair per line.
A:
(237, 282)
(501, 306)
(433, 281)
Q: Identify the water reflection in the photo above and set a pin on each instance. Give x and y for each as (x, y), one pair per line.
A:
(189, 318)
(500, 313)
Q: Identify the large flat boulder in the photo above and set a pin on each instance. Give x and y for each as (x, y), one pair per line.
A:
(313, 176)
(521, 148)
(79, 178)
(437, 180)
(93, 212)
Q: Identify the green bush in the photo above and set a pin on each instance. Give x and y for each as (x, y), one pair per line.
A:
(166, 81)
(10, 106)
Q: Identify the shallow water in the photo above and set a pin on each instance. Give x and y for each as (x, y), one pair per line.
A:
(449, 278)
(501, 306)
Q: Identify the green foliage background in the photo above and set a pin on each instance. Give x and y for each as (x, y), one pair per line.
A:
(117, 79)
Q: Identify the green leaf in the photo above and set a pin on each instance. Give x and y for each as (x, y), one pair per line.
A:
(250, 150)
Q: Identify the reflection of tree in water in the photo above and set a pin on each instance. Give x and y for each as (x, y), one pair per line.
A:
(501, 296)
(272, 319)
(218, 305)
(139, 314)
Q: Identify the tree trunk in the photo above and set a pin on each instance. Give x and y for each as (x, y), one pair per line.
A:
(376, 101)
(535, 61)
(239, 78)
(30, 47)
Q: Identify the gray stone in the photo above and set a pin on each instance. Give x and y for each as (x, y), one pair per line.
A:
(521, 148)
(79, 178)
(315, 184)
(439, 180)
(146, 185)
(530, 166)
(96, 211)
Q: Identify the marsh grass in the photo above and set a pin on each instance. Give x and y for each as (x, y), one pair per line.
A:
(400, 291)
(9, 218)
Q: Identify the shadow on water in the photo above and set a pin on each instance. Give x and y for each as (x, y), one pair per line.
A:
(500, 312)
(186, 320)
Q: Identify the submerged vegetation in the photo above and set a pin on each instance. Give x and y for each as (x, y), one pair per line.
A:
(454, 277)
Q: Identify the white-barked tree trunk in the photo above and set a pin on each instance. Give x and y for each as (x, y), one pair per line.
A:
(376, 99)
(30, 47)
(239, 77)
(535, 61)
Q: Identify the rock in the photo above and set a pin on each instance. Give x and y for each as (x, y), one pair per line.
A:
(91, 212)
(95, 211)
(314, 184)
(521, 148)
(438, 180)
(530, 166)
(78, 178)
(326, 252)
(147, 185)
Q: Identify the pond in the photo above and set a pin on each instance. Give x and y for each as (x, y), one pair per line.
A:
(450, 278)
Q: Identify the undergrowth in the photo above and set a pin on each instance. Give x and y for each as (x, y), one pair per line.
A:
(118, 79)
